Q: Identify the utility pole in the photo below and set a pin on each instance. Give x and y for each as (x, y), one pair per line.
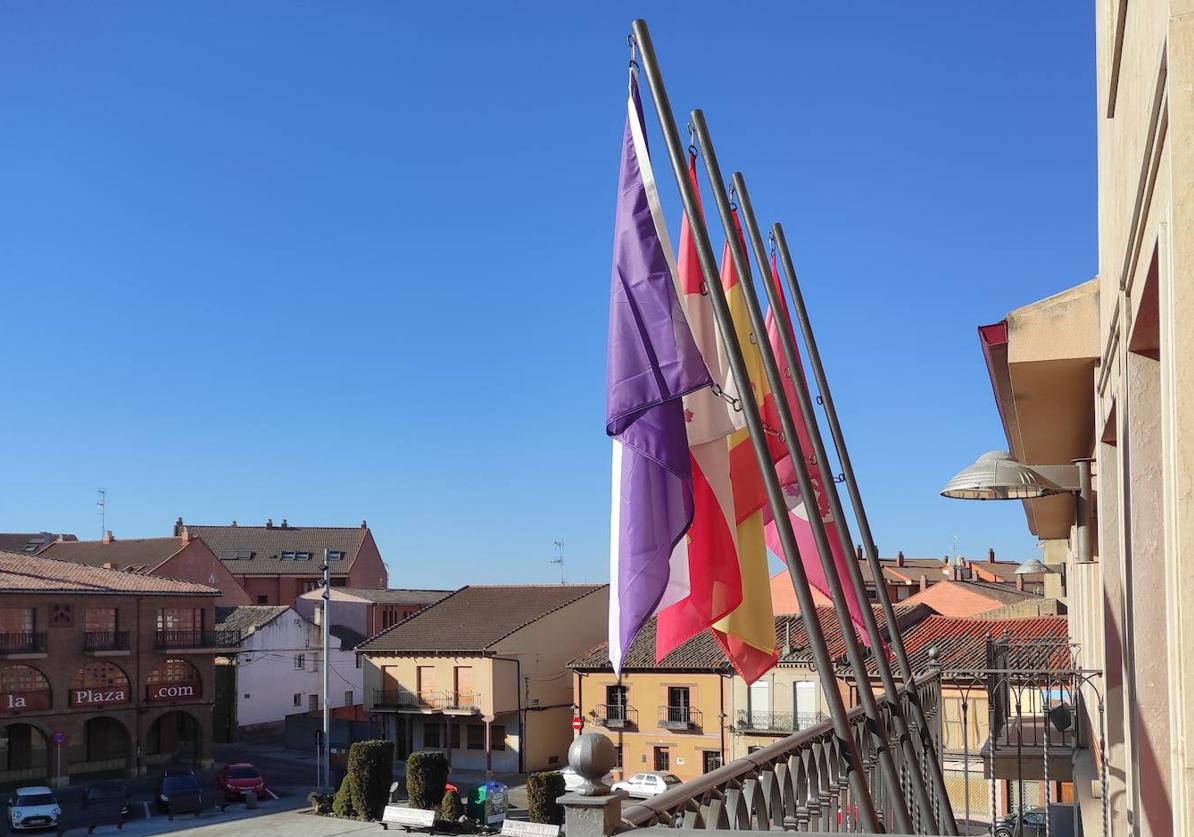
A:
(327, 667)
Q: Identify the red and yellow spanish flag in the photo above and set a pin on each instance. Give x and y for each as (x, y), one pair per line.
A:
(748, 633)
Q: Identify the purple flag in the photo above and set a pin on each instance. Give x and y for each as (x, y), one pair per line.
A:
(653, 363)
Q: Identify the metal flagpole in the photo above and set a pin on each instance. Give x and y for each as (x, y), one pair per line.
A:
(864, 526)
(807, 414)
(327, 670)
(750, 410)
(902, 820)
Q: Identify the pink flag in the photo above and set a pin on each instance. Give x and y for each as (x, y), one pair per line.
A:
(798, 509)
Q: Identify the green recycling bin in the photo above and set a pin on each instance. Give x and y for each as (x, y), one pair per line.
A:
(487, 803)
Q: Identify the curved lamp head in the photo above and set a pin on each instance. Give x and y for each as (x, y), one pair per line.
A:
(1034, 567)
(997, 476)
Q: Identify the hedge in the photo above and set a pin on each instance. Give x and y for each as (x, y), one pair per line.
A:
(426, 775)
(543, 789)
(451, 809)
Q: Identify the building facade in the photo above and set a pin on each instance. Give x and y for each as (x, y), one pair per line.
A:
(671, 715)
(101, 672)
(277, 564)
(367, 611)
(482, 674)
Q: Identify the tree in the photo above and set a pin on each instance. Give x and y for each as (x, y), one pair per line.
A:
(426, 775)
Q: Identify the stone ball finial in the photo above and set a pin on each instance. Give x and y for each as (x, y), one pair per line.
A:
(592, 756)
(933, 653)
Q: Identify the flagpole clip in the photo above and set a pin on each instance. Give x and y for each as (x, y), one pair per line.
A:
(692, 149)
(633, 44)
(771, 239)
(734, 201)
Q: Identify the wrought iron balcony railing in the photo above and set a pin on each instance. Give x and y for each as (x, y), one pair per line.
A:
(800, 782)
(427, 701)
(762, 721)
(679, 717)
(615, 715)
(22, 642)
(179, 640)
(106, 641)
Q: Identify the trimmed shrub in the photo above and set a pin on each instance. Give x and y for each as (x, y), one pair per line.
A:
(543, 789)
(426, 775)
(370, 773)
(451, 808)
(342, 804)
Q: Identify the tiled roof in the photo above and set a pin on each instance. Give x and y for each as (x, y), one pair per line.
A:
(1034, 642)
(263, 546)
(247, 618)
(137, 555)
(37, 574)
(395, 596)
(29, 543)
(475, 617)
(792, 633)
(996, 593)
(701, 653)
(1005, 571)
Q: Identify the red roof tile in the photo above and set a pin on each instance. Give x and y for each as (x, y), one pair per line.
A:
(37, 574)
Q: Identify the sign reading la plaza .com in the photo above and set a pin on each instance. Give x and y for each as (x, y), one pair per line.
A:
(181, 690)
(99, 697)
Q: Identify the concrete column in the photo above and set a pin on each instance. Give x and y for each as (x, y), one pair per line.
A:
(593, 810)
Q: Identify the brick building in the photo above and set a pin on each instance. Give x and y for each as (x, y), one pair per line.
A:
(30, 543)
(277, 564)
(119, 664)
(182, 558)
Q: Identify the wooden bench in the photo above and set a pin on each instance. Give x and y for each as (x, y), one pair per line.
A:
(518, 828)
(408, 819)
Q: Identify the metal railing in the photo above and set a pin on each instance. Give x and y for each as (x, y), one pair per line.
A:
(763, 721)
(441, 701)
(800, 782)
(196, 638)
(106, 641)
(19, 642)
(679, 717)
(615, 715)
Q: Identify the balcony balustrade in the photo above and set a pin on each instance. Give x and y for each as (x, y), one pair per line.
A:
(679, 717)
(195, 638)
(427, 701)
(105, 641)
(22, 642)
(616, 715)
(762, 721)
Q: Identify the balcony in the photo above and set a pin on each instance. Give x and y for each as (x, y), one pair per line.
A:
(679, 718)
(111, 643)
(427, 702)
(196, 640)
(615, 715)
(19, 644)
(759, 721)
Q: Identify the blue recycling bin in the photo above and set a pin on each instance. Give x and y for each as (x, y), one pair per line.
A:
(488, 802)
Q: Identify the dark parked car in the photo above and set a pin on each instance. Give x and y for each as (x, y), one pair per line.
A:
(1031, 823)
(106, 803)
(179, 793)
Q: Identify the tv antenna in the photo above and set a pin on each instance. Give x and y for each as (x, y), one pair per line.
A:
(101, 503)
(559, 559)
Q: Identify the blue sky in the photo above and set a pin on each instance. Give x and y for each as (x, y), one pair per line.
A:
(331, 261)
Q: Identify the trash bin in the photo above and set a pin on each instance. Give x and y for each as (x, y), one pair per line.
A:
(251, 799)
(487, 803)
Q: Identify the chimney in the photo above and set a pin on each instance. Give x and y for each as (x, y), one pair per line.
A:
(285, 525)
(184, 535)
(957, 572)
(900, 558)
(234, 523)
(269, 524)
(364, 525)
(1020, 583)
(924, 582)
(108, 537)
(107, 565)
(858, 552)
(177, 526)
(991, 555)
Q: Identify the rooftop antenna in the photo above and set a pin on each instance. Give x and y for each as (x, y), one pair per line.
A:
(101, 503)
(559, 559)
(956, 561)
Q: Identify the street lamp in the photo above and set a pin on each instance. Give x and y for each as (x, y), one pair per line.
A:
(1034, 567)
(997, 475)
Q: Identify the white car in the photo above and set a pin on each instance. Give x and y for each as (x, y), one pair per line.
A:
(644, 785)
(573, 780)
(33, 807)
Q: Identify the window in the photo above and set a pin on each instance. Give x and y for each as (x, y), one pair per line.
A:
(425, 681)
(100, 675)
(287, 556)
(431, 736)
(180, 619)
(242, 555)
(263, 600)
(678, 700)
(335, 555)
(17, 620)
(99, 620)
(476, 737)
(710, 761)
(313, 702)
(462, 677)
(806, 704)
(663, 759)
(302, 556)
(300, 661)
(454, 736)
(298, 699)
(616, 700)
(497, 737)
(760, 704)
(311, 584)
(348, 701)
(617, 758)
(173, 671)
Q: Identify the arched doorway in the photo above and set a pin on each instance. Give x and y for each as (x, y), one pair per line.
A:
(24, 753)
(105, 741)
(99, 683)
(174, 736)
(173, 680)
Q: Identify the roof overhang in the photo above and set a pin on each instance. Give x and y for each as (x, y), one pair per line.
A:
(1041, 363)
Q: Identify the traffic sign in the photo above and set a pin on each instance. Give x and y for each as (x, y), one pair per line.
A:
(577, 723)
(58, 738)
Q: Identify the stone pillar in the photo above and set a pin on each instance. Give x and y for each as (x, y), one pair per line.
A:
(593, 810)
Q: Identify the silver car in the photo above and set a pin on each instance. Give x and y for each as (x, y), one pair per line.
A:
(33, 807)
(645, 785)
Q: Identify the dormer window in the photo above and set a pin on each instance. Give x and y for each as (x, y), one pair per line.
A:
(335, 555)
(302, 556)
(287, 556)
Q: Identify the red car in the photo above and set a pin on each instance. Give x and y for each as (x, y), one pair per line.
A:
(234, 780)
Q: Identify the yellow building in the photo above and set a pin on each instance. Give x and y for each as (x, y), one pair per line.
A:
(671, 716)
(482, 674)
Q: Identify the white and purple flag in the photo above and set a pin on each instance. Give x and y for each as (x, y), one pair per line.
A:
(653, 363)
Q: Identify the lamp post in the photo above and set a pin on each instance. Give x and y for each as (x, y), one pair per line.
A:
(997, 475)
(326, 756)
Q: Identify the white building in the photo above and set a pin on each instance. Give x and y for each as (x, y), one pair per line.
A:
(278, 664)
